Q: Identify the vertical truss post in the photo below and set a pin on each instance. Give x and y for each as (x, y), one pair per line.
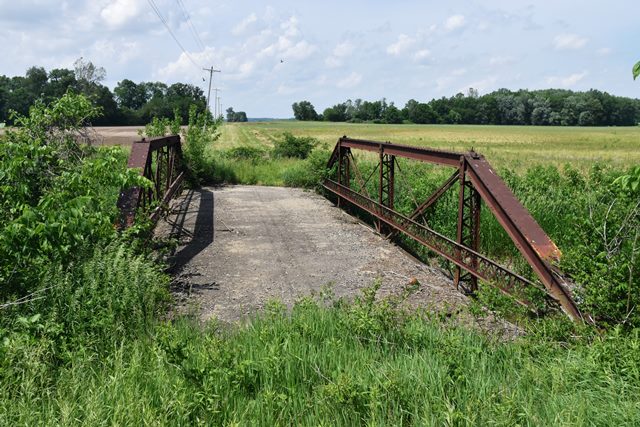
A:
(344, 169)
(468, 233)
(386, 187)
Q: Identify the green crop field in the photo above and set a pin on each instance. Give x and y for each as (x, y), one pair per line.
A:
(516, 147)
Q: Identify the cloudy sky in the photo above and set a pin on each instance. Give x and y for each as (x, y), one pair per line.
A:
(277, 52)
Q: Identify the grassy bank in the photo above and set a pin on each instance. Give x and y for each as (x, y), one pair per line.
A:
(365, 363)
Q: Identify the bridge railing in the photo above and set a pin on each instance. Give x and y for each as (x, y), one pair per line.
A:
(477, 182)
(160, 161)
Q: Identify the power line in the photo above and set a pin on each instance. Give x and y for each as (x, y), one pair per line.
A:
(187, 17)
(157, 11)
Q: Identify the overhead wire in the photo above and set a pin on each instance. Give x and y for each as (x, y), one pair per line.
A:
(187, 17)
(159, 14)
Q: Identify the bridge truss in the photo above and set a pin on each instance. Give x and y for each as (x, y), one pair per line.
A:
(477, 182)
(160, 161)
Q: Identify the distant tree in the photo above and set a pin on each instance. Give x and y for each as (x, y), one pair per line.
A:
(60, 81)
(370, 111)
(304, 111)
(36, 80)
(111, 115)
(130, 95)
(182, 96)
(233, 116)
(154, 89)
(337, 113)
(473, 93)
(392, 115)
(419, 113)
(87, 73)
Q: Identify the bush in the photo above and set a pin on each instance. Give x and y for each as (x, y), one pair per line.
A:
(113, 295)
(309, 173)
(246, 152)
(200, 133)
(58, 195)
(294, 146)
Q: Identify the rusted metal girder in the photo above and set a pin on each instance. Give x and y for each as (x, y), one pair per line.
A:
(160, 161)
(468, 230)
(477, 181)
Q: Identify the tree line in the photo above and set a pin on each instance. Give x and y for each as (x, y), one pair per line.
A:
(130, 103)
(553, 107)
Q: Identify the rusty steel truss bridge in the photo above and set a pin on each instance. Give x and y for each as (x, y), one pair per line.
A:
(477, 183)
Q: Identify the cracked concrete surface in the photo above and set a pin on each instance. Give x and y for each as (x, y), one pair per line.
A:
(241, 246)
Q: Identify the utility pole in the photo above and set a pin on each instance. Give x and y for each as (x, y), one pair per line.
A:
(211, 71)
(215, 100)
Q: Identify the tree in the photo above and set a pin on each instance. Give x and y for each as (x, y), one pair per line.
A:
(87, 73)
(60, 81)
(304, 111)
(36, 80)
(130, 95)
(233, 116)
(337, 113)
(392, 115)
(182, 96)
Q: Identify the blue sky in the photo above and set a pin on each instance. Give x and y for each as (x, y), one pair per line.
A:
(275, 53)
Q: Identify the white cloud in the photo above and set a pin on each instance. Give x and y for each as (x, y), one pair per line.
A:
(454, 22)
(569, 41)
(242, 27)
(403, 44)
(350, 81)
(333, 62)
(344, 49)
(269, 50)
(182, 69)
(500, 60)
(290, 27)
(286, 90)
(119, 12)
(422, 55)
(300, 50)
(483, 85)
(443, 82)
(111, 51)
(604, 51)
(341, 51)
(567, 81)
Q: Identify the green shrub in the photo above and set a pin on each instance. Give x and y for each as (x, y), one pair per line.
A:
(309, 173)
(113, 295)
(294, 146)
(199, 135)
(58, 195)
(246, 152)
(162, 126)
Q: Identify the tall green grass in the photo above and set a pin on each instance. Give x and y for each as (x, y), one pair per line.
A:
(344, 364)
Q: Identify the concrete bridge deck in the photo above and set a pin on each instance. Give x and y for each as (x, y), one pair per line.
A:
(241, 246)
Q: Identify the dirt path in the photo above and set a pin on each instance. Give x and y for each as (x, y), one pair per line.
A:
(241, 246)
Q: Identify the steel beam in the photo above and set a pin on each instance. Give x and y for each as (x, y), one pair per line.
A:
(160, 161)
(480, 266)
(478, 181)
(532, 242)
